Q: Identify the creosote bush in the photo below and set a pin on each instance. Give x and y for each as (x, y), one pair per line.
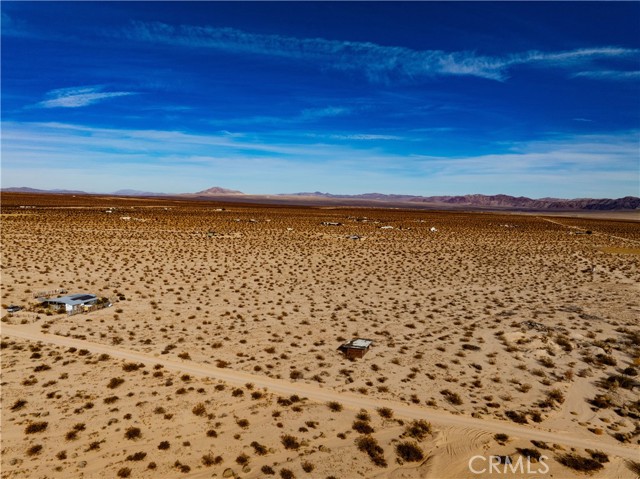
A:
(409, 451)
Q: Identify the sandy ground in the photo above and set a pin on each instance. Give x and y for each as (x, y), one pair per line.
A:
(493, 324)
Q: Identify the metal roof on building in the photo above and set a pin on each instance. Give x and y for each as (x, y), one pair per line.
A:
(71, 299)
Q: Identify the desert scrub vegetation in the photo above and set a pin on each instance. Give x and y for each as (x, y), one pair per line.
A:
(290, 442)
(35, 427)
(409, 451)
(579, 463)
(418, 429)
(369, 445)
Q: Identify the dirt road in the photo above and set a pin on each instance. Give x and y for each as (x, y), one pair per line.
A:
(320, 394)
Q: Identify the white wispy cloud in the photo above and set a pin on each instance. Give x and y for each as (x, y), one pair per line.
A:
(377, 62)
(77, 97)
(609, 75)
(604, 165)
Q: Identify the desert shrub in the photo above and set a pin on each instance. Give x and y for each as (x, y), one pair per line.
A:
(409, 451)
(237, 392)
(618, 380)
(363, 415)
(451, 397)
(515, 416)
(334, 406)
(307, 466)
(470, 347)
(267, 470)
(243, 423)
(259, 448)
(602, 401)
(62, 455)
(369, 445)
(124, 472)
(290, 442)
(208, 460)
(242, 459)
(36, 427)
(110, 399)
(295, 374)
(138, 456)
(540, 444)
(530, 453)
(385, 412)
(115, 382)
(128, 367)
(418, 429)
(34, 450)
(362, 427)
(19, 404)
(556, 395)
(199, 409)
(599, 456)
(164, 445)
(287, 474)
(579, 463)
(132, 433)
(212, 433)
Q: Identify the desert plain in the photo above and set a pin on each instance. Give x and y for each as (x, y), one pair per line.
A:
(504, 344)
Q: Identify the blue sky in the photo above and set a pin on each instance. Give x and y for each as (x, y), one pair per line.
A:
(425, 98)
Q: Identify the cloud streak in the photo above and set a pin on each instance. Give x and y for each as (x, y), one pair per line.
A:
(582, 165)
(379, 63)
(78, 97)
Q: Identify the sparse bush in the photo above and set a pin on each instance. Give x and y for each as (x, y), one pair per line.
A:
(115, 382)
(164, 445)
(369, 445)
(409, 451)
(362, 427)
(418, 429)
(19, 404)
(290, 442)
(385, 412)
(132, 433)
(124, 472)
(36, 427)
(199, 409)
(138, 456)
(267, 470)
(501, 438)
(287, 474)
(307, 466)
(34, 450)
(517, 417)
(579, 463)
(259, 448)
(334, 406)
(242, 459)
(530, 453)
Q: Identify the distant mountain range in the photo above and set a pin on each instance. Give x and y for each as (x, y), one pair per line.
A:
(472, 201)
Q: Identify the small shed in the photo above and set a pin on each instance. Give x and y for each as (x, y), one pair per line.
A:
(356, 348)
